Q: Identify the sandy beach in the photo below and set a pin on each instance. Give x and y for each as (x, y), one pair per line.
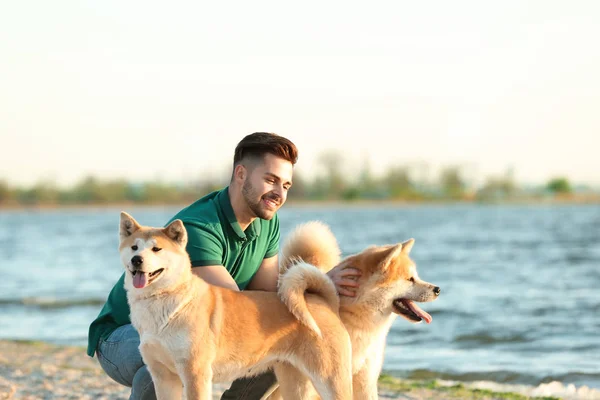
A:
(37, 370)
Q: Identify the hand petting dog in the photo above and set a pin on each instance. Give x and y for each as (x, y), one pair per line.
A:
(345, 279)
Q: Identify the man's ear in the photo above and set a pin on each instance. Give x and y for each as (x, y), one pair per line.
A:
(177, 232)
(127, 226)
(240, 172)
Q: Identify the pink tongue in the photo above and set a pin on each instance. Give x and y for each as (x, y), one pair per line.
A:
(415, 308)
(140, 279)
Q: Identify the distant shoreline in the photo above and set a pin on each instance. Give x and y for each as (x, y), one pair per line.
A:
(533, 201)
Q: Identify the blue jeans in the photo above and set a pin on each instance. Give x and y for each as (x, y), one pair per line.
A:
(120, 358)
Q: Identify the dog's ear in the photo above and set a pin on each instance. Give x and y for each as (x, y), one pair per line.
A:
(390, 255)
(407, 246)
(127, 226)
(177, 232)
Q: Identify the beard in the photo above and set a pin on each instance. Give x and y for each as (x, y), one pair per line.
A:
(256, 206)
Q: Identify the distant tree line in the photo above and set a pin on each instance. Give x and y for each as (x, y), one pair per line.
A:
(332, 183)
(93, 191)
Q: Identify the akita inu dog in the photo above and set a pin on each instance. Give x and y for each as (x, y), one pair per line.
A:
(389, 286)
(193, 333)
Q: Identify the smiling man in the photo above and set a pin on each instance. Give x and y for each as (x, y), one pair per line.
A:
(233, 242)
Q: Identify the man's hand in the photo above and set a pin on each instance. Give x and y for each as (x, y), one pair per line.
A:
(345, 279)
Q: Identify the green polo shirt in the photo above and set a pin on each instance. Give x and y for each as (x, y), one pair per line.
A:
(214, 238)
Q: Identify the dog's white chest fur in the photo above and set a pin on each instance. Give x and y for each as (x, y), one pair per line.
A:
(369, 346)
(150, 319)
(159, 349)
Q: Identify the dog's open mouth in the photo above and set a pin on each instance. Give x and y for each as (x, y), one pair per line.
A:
(411, 311)
(143, 279)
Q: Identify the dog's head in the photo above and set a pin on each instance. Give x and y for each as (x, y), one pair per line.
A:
(152, 257)
(390, 283)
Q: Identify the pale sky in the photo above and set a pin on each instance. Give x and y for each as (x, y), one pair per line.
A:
(145, 90)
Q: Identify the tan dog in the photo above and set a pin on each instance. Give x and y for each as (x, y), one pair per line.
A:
(193, 333)
(389, 286)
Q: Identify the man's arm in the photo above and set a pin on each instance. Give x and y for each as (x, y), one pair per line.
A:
(267, 275)
(205, 248)
(216, 275)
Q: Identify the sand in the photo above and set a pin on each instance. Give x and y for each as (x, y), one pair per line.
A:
(37, 370)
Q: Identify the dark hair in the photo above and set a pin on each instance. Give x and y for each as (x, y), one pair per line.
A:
(257, 144)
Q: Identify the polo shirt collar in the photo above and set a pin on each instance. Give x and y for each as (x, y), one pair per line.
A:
(253, 229)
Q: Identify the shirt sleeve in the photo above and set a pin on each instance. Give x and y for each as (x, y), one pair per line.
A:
(204, 246)
(274, 235)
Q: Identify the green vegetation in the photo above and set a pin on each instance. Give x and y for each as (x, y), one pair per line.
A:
(33, 343)
(458, 391)
(92, 191)
(559, 185)
(332, 182)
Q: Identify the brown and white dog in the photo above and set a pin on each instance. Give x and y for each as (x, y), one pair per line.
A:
(193, 334)
(389, 286)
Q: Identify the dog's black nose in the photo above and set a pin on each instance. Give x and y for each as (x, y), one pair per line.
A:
(437, 290)
(137, 261)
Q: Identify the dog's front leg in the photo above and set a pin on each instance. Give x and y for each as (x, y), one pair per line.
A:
(364, 384)
(167, 385)
(197, 380)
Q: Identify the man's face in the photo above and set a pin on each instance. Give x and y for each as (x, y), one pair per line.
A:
(266, 186)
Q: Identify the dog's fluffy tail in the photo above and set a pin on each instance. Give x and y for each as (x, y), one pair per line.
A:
(311, 249)
(313, 243)
(306, 278)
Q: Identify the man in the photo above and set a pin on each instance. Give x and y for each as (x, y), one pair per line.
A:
(233, 242)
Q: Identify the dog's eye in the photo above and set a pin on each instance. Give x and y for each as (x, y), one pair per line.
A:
(156, 249)
(412, 279)
(134, 247)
